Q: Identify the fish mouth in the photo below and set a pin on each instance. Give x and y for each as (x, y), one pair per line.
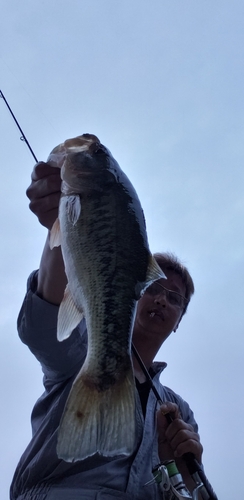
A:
(84, 173)
(156, 312)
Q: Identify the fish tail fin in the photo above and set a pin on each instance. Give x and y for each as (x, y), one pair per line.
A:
(98, 421)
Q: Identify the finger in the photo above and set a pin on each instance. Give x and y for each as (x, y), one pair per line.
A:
(178, 425)
(46, 209)
(42, 169)
(45, 203)
(45, 186)
(183, 439)
(165, 409)
(170, 408)
(181, 436)
(189, 446)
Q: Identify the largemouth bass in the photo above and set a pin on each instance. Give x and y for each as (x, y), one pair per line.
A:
(102, 232)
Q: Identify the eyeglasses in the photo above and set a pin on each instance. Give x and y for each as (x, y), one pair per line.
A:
(174, 298)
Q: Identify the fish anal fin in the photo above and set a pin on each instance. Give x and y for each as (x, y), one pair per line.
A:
(55, 235)
(69, 316)
(96, 421)
(73, 207)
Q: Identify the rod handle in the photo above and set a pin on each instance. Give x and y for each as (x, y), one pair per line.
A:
(193, 468)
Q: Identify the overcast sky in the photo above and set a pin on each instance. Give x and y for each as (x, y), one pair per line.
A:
(161, 84)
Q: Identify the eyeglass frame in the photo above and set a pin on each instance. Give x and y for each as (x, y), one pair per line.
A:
(167, 291)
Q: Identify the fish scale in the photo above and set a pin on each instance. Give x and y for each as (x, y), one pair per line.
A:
(102, 232)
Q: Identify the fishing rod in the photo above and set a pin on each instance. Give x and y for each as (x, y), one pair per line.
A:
(195, 470)
(23, 136)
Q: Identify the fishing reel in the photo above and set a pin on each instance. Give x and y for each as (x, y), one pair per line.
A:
(171, 485)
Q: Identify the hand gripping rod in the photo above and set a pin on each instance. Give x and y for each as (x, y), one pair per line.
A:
(194, 468)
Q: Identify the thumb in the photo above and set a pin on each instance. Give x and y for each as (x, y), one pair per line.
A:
(173, 412)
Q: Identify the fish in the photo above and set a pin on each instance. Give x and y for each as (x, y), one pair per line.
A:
(102, 232)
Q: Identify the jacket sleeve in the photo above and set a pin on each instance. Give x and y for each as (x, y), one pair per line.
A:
(37, 328)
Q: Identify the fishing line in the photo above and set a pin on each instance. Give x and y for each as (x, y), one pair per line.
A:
(23, 136)
(193, 466)
(147, 374)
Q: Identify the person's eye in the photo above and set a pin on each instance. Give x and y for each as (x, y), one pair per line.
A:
(175, 299)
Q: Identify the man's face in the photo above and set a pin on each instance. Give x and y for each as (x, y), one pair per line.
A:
(158, 315)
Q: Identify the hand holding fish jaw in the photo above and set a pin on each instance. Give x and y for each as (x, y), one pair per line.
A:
(44, 193)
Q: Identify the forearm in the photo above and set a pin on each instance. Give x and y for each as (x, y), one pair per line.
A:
(51, 277)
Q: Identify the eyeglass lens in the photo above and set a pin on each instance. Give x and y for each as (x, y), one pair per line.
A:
(173, 298)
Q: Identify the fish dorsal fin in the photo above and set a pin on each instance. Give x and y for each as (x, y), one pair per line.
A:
(69, 316)
(154, 271)
(73, 207)
(55, 235)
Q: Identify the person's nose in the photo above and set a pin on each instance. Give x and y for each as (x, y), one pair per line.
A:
(161, 299)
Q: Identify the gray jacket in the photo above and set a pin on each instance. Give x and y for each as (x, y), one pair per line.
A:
(40, 474)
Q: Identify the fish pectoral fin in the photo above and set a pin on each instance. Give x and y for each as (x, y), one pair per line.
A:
(69, 316)
(73, 207)
(55, 235)
(154, 271)
(96, 421)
